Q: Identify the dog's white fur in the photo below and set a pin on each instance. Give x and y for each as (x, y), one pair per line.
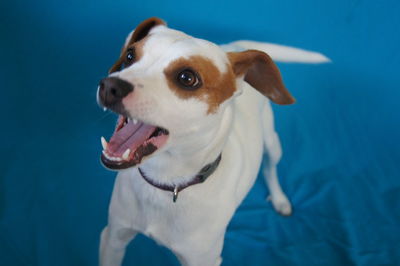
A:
(242, 129)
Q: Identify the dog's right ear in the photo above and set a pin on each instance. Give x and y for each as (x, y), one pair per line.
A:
(141, 31)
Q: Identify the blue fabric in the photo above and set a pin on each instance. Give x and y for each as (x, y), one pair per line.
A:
(341, 163)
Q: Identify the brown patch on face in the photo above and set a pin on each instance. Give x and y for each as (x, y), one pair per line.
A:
(136, 43)
(216, 86)
(137, 49)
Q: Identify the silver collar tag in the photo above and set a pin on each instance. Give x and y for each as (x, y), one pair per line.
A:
(175, 194)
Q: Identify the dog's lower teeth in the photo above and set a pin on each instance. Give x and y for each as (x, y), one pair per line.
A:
(112, 158)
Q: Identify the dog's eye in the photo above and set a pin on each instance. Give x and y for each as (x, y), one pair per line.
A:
(129, 57)
(189, 79)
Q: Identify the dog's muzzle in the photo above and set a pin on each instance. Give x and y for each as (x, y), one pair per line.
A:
(133, 140)
(111, 92)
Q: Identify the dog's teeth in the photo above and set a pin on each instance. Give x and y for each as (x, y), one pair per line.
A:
(112, 158)
(125, 156)
(104, 109)
(135, 121)
(117, 159)
(106, 155)
(104, 143)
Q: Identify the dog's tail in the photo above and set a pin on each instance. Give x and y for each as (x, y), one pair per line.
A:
(278, 52)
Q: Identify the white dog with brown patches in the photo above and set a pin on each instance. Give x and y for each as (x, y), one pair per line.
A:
(194, 124)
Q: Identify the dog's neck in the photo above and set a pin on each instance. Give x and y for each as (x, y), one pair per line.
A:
(181, 164)
(200, 177)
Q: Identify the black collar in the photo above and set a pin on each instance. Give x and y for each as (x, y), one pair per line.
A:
(205, 172)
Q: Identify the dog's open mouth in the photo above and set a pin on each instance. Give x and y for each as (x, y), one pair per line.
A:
(131, 142)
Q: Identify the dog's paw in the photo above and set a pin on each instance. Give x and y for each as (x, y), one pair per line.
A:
(281, 204)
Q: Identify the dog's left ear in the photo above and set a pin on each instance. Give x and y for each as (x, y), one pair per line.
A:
(261, 73)
(140, 32)
(144, 28)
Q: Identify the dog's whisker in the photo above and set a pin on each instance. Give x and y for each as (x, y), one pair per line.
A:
(101, 118)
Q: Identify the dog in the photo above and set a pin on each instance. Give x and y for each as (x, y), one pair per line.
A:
(194, 123)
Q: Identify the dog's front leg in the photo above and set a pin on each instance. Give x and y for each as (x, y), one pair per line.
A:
(201, 251)
(113, 242)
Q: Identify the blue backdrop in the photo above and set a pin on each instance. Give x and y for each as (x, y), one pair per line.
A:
(341, 163)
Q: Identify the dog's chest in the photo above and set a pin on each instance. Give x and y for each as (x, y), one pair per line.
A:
(158, 217)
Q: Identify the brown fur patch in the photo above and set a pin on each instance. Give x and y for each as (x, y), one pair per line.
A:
(216, 86)
(137, 41)
(138, 50)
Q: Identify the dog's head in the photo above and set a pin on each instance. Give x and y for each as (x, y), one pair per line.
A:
(171, 88)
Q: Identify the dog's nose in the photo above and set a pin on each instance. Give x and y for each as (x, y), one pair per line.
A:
(112, 90)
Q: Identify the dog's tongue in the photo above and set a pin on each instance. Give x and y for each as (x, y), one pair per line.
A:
(129, 136)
